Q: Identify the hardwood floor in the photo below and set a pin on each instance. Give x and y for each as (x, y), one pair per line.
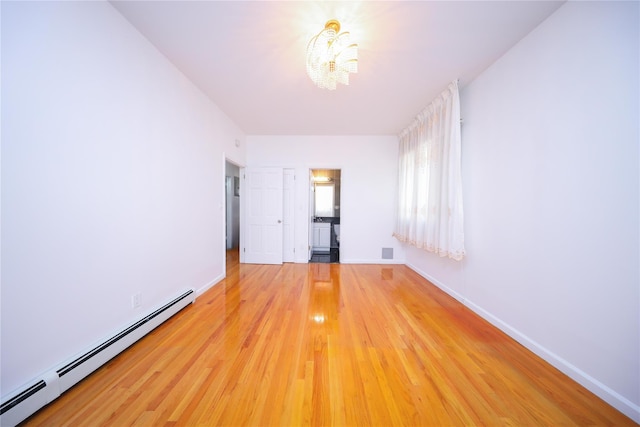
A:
(326, 344)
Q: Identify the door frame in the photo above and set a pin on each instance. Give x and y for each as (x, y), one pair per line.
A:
(289, 216)
(311, 213)
(223, 208)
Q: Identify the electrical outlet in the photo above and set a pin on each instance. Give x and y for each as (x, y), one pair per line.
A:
(136, 300)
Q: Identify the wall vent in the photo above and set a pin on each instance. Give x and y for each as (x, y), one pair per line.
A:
(387, 253)
(16, 408)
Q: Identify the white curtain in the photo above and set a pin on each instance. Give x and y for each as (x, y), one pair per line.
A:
(429, 212)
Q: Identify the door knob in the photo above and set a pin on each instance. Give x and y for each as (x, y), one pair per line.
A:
(279, 222)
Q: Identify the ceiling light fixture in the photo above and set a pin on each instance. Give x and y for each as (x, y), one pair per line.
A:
(331, 57)
(322, 179)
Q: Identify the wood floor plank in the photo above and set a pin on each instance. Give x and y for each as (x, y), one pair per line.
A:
(326, 344)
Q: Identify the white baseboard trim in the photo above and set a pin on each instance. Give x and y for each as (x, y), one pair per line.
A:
(209, 285)
(372, 261)
(610, 396)
(361, 261)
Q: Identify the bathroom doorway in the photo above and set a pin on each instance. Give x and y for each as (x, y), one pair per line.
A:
(325, 189)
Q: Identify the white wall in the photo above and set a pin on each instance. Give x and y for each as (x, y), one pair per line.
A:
(112, 181)
(369, 179)
(550, 169)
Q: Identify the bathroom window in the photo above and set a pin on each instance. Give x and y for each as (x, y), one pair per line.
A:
(324, 200)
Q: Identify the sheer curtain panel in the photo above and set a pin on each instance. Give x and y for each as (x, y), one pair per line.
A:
(430, 212)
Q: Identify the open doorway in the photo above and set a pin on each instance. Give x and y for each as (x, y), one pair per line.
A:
(232, 212)
(325, 188)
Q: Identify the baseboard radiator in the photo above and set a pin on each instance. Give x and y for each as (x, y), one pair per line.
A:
(19, 406)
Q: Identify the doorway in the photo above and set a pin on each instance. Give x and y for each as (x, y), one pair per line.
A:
(325, 189)
(232, 210)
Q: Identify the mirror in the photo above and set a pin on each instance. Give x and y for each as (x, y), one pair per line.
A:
(326, 184)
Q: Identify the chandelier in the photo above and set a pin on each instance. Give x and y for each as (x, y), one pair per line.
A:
(331, 57)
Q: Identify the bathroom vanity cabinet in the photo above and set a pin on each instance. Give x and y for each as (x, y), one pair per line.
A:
(321, 236)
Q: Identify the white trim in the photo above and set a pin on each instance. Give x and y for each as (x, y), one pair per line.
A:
(210, 284)
(372, 261)
(610, 396)
(223, 209)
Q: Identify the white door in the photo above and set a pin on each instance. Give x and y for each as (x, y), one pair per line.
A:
(288, 243)
(263, 238)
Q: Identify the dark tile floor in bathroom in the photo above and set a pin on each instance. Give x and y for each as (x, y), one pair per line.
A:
(326, 257)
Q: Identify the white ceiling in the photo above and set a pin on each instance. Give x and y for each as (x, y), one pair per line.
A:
(249, 56)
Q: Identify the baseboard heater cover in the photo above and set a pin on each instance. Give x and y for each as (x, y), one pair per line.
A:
(32, 397)
(26, 402)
